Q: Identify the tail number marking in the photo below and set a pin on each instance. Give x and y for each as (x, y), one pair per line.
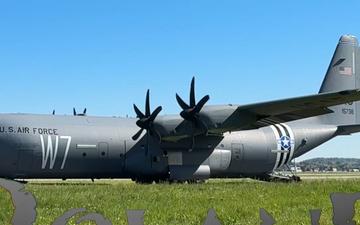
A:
(50, 152)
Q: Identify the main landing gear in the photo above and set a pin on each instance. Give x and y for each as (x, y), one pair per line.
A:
(279, 177)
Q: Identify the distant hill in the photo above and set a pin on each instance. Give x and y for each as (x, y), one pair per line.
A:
(327, 164)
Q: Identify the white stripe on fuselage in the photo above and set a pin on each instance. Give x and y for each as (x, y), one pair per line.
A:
(292, 140)
(85, 146)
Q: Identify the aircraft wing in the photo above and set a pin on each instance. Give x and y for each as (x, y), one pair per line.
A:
(280, 111)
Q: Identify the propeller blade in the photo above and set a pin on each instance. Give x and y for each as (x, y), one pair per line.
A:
(53, 112)
(145, 122)
(74, 111)
(147, 103)
(139, 114)
(181, 102)
(84, 112)
(191, 113)
(192, 93)
(201, 103)
(138, 134)
(155, 113)
(200, 124)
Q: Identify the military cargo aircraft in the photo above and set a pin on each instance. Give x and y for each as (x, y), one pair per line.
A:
(203, 141)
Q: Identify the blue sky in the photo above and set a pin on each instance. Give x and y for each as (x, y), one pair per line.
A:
(103, 55)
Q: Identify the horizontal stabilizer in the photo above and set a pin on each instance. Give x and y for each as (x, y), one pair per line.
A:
(348, 129)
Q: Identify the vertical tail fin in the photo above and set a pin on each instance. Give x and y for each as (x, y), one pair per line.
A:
(341, 75)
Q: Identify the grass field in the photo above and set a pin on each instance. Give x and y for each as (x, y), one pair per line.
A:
(235, 201)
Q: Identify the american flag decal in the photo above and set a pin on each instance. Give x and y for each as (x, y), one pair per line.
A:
(345, 70)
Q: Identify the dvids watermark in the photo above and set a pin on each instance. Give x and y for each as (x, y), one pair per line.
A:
(25, 210)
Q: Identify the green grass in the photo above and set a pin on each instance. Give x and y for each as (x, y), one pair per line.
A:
(235, 201)
(6, 207)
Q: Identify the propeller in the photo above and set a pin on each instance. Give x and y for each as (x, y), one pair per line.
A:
(146, 121)
(191, 112)
(79, 114)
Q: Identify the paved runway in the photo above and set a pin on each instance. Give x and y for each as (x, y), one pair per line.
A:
(329, 175)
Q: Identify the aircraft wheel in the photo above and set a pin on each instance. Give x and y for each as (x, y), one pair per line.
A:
(177, 181)
(196, 181)
(296, 178)
(144, 180)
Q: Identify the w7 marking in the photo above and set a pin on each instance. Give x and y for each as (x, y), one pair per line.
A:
(51, 151)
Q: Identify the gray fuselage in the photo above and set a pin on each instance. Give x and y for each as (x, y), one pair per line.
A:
(48, 146)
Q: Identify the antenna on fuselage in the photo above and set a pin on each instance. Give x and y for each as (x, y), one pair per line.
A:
(79, 114)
